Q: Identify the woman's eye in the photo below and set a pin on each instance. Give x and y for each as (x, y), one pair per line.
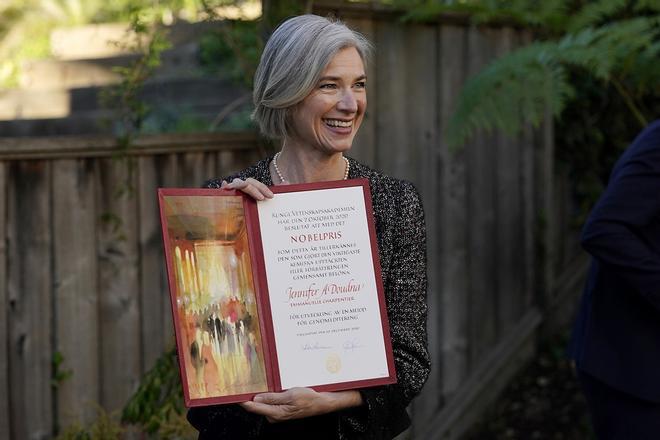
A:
(327, 86)
(361, 84)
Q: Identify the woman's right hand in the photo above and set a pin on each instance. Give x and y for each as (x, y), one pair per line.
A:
(250, 186)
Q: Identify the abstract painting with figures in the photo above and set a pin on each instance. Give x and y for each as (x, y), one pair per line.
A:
(216, 311)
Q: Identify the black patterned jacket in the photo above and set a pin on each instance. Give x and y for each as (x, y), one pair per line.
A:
(401, 240)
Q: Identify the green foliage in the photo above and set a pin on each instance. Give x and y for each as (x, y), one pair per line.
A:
(25, 25)
(162, 10)
(124, 98)
(156, 409)
(105, 427)
(514, 89)
(59, 375)
(592, 133)
(593, 66)
(148, 40)
(234, 48)
(511, 91)
(157, 406)
(548, 14)
(239, 121)
(275, 11)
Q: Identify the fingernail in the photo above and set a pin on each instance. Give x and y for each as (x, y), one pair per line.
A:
(258, 399)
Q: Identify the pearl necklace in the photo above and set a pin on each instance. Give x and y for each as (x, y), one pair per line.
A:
(281, 176)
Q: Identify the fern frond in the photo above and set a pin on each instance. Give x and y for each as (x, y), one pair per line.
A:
(533, 13)
(595, 13)
(608, 48)
(652, 6)
(513, 90)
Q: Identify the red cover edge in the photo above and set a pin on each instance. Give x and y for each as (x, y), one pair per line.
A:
(263, 296)
(172, 282)
(235, 398)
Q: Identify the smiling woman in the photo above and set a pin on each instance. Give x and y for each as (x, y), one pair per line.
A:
(310, 92)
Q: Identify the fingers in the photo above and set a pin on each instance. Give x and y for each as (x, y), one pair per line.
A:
(282, 398)
(291, 404)
(274, 413)
(251, 187)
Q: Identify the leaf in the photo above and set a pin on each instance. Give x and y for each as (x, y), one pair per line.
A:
(519, 87)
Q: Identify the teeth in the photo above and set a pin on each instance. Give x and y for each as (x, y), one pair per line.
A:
(338, 123)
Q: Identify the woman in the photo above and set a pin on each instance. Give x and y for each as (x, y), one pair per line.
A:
(310, 91)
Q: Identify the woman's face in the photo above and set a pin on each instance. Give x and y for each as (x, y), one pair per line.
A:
(328, 118)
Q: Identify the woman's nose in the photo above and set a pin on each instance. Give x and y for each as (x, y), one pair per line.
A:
(347, 103)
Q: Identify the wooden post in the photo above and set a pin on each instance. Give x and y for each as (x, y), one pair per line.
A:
(529, 185)
(5, 418)
(391, 156)
(545, 194)
(30, 301)
(509, 237)
(364, 146)
(482, 162)
(118, 284)
(422, 151)
(453, 207)
(170, 179)
(76, 288)
(151, 262)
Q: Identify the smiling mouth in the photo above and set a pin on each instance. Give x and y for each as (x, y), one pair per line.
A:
(338, 123)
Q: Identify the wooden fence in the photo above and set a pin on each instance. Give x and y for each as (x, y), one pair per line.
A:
(81, 269)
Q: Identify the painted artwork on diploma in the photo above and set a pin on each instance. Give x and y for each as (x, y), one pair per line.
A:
(276, 294)
(215, 303)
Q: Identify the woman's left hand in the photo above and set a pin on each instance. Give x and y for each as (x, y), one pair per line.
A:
(297, 403)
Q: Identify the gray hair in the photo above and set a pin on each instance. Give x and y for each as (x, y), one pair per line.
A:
(291, 65)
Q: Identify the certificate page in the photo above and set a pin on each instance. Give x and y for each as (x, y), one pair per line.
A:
(322, 287)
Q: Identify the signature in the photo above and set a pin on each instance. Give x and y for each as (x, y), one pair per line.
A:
(352, 344)
(314, 346)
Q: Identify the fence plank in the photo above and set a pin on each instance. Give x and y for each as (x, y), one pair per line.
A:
(481, 219)
(210, 168)
(151, 262)
(76, 289)
(421, 149)
(30, 301)
(509, 239)
(545, 194)
(453, 218)
(390, 102)
(171, 178)
(529, 200)
(5, 418)
(229, 163)
(364, 146)
(193, 171)
(118, 285)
